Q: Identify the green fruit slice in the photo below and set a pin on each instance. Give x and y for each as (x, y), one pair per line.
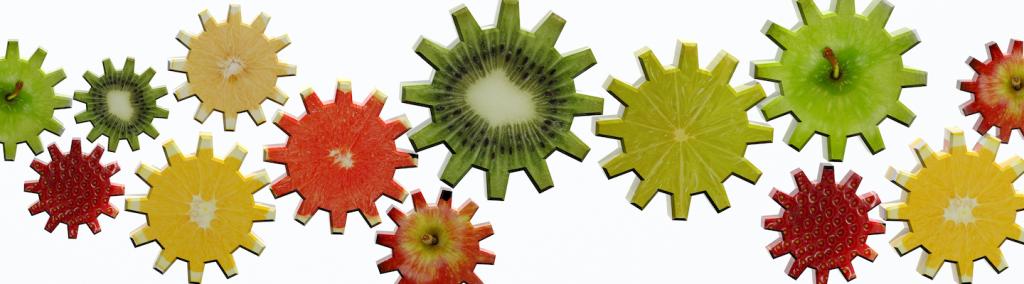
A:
(121, 104)
(684, 130)
(840, 75)
(502, 99)
(27, 100)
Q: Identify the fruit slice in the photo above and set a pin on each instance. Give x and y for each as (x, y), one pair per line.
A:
(435, 244)
(340, 157)
(502, 99)
(840, 74)
(232, 67)
(997, 90)
(200, 209)
(27, 101)
(684, 130)
(121, 104)
(824, 225)
(74, 189)
(960, 205)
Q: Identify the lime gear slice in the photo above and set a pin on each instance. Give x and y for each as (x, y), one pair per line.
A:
(27, 101)
(200, 209)
(340, 157)
(684, 130)
(840, 74)
(121, 104)
(960, 205)
(824, 235)
(74, 188)
(997, 90)
(502, 99)
(435, 244)
(232, 67)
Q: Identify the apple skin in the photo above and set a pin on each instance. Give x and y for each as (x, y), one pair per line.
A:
(994, 94)
(866, 92)
(23, 116)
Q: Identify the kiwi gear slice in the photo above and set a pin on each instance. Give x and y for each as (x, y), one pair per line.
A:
(27, 101)
(232, 67)
(121, 104)
(502, 99)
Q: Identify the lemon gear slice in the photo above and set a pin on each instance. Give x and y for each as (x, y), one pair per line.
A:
(232, 67)
(200, 209)
(684, 130)
(960, 205)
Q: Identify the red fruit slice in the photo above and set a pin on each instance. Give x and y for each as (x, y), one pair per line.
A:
(435, 244)
(74, 189)
(998, 90)
(340, 157)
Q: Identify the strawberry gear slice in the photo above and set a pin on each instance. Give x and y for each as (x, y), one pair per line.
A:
(340, 157)
(74, 189)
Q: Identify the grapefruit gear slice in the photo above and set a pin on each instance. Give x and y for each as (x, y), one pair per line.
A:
(824, 225)
(435, 244)
(340, 157)
(27, 101)
(121, 104)
(684, 130)
(200, 209)
(996, 90)
(74, 188)
(502, 99)
(232, 67)
(867, 75)
(960, 205)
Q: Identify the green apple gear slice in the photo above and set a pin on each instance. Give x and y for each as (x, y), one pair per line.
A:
(27, 101)
(684, 130)
(121, 105)
(502, 99)
(840, 75)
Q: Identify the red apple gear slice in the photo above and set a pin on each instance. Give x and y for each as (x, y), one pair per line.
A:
(824, 235)
(340, 157)
(435, 244)
(74, 189)
(997, 90)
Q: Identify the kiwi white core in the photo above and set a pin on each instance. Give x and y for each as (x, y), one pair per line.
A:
(499, 101)
(960, 210)
(119, 103)
(342, 158)
(231, 67)
(202, 211)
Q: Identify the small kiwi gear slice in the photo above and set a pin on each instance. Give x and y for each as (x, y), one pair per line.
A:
(489, 133)
(121, 104)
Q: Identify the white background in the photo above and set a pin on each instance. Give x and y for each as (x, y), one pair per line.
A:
(581, 231)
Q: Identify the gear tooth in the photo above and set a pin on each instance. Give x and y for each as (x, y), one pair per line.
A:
(260, 23)
(151, 131)
(397, 216)
(185, 38)
(370, 214)
(420, 95)
(618, 164)
(37, 207)
(54, 151)
(485, 257)
(796, 267)
(775, 107)
(73, 231)
(539, 174)
(311, 101)
(38, 166)
(773, 223)
(466, 25)
(772, 71)
(418, 202)
(749, 95)
(983, 126)
(878, 12)
(574, 64)
(13, 52)
(230, 121)
(204, 148)
(846, 269)
(284, 69)
(784, 200)
(870, 199)
(779, 248)
(177, 65)
(497, 183)
(306, 210)
(129, 65)
(900, 113)
(844, 7)
(164, 261)
(1014, 165)
(508, 15)
(907, 242)
(108, 67)
(344, 86)
(977, 65)
(386, 239)
(641, 195)
(258, 180)
(549, 29)
(279, 43)
(147, 173)
(722, 68)
(872, 137)
(133, 143)
(10, 149)
(964, 271)
(51, 224)
(234, 14)
(799, 135)
(580, 104)
(994, 52)
(1004, 133)
(228, 266)
(903, 40)
(987, 147)
(115, 189)
(653, 70)
(183, 92)
(611, 128)
(32, 187)
(395, 191)
(282, 187)
(1018, 203)
(718, 197)
(924, 153)
(172, 152)
(780, 35)
(809, 12)
(388, 265)
(237, 155)
(207, 20)
(94, 226)
(275, 154)
(279, 96)
(35, 144)
(688, 59)
(955, 141)
(195, 271)
(1016, 232)
(900, 178)
(468, 209)
(287, 123)
(36, 61)
(85, 115)
(264, 212)
(95, 134)
(746, 170)
(622, 91)
(257, 115)
(571, 145)
(970, 87)
(435, 54)
(996, 259)
(253, 244)
(375, 103)
(396, 127)
(457, 167)
(913, 78)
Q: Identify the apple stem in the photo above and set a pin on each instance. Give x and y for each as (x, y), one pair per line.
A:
(429, 239)
(1016, 83)
(831, 57)
(17, 90)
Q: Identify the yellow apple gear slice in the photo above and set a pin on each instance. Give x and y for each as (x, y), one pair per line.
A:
(960, 205)
(200, 209)
(232, 67)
